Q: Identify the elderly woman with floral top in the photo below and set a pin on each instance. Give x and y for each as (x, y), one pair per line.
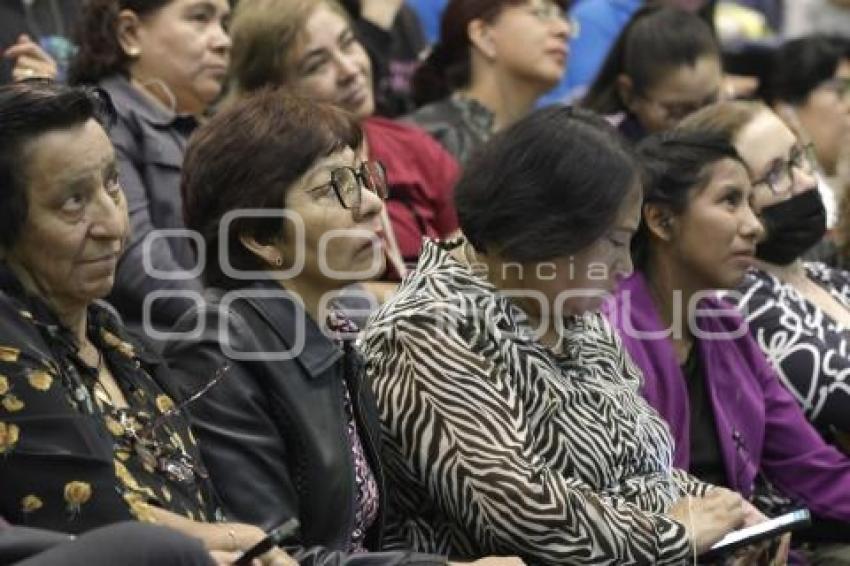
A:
(87, 437)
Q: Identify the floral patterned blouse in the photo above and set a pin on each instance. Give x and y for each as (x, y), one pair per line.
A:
(366, 485)
(69, 460)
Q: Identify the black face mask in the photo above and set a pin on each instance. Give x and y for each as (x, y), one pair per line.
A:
(793, 226)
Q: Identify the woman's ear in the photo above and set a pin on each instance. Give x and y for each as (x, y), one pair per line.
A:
(659, 221)
(269, 253)
(626, 90)
(480, 36)
(127, 30)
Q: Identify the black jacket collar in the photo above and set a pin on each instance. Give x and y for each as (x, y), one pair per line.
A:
(294, 326)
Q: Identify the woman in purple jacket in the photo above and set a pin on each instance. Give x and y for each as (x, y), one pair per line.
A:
(734, 423)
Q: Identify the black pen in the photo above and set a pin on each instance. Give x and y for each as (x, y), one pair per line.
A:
(274, 538)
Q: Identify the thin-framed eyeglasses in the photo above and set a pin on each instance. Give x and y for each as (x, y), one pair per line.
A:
(780, 178)
(549, 10)
(348, 183)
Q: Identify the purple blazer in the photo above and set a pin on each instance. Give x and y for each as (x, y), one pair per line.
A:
(759, 424)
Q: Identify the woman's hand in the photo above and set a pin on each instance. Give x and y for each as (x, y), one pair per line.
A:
(761, 554)
(30, 60)
(222, 538)
(707, 519)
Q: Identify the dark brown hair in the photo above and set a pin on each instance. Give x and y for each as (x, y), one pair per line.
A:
(265, 33)
(247, 157)
(99, 54)
(655, 42)
(548, 186)
(449, 66)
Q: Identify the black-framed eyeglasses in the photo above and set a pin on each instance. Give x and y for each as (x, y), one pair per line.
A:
(780, 178)
(348, 183)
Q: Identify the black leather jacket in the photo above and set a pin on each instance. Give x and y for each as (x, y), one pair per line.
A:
(273, 431)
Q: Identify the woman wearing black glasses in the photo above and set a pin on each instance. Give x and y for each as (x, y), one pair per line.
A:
(798, 311)
(289, 213)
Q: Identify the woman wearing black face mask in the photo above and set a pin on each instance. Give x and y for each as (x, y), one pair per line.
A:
(798, 312)
(734, 423)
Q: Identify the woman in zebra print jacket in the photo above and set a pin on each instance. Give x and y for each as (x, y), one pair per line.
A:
(504, 432)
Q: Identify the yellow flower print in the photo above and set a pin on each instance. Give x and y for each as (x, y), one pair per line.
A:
(113, 341)
(129, 481)
(166, 493)
(113, 427)
(77, 493)
(9, 354)
(164, 403)
(177, 441)
(40, 380)
(4, 384)
(31, 504)
(9, 434)
(140, 509)
(125, 476)
(12, 403)
(123, 455)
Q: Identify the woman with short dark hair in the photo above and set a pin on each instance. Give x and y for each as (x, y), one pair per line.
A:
(163, 63)
(665, 64)
(291, 432)
(510, 411)
(87, 436)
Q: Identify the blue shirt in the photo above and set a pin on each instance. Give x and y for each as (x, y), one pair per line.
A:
(430, 12)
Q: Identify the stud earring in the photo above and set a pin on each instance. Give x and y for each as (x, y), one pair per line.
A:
(133, 52)
(278, 261)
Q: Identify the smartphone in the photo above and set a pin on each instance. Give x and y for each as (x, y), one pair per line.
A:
(274, 538)
(763, 531)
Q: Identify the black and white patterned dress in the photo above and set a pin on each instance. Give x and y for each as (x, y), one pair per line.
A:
(495, 445)
(810, 350)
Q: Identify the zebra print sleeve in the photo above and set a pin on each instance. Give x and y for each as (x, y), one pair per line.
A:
(689, 484)
(465, 461)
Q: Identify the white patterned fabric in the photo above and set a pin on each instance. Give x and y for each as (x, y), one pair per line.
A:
(810, 350)
(496, 445)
